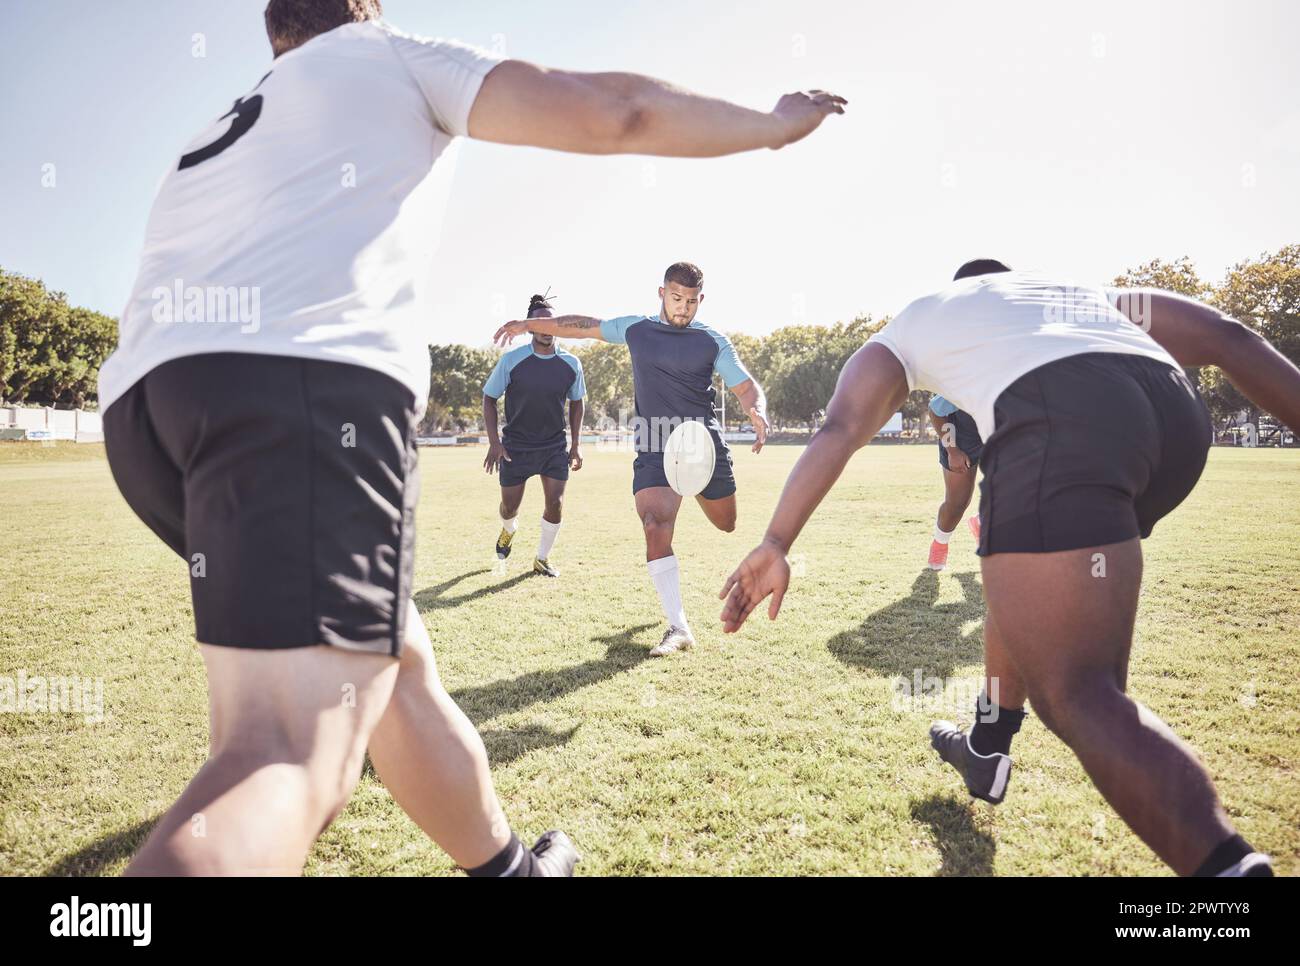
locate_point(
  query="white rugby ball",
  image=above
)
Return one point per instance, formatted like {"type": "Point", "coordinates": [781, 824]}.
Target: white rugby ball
{"type": "Point", "coordinates": [688, 458]}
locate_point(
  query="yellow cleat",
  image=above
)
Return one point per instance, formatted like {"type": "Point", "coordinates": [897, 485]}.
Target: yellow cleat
{"type": "Point", "coordinates": [540, 566]}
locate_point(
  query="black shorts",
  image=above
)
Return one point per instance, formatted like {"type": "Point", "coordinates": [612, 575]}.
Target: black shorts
{"type": "Point", "coordinates": [288, 486]}
{"type": "Point", "coordinates": [648, 470]}
{"type": "Point", "coordinates": [1089, 450]}
{"type": "Point", "coordinates": [967, 438]}
{"type": "Point", "coordinates": [553, 462]}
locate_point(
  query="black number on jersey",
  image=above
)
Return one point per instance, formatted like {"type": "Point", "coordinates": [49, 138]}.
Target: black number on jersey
{"type": "Point", "coordinates": [246, 111]}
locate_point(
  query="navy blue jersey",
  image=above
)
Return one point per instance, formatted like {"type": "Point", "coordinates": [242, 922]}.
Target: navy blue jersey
{"type": "Point", "coordinates": [672, 369]}
{"type": "Point", "coordinates": [535, 387]}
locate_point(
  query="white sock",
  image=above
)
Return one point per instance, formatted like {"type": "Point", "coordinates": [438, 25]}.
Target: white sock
{"type": "Point", "coordinates": [549, 532]}
{"type": "Point", "coordinates": [940, 536]}
{"type": "Point", "coordinates": [510, 525]}
{"type": "Point", "coordinates": [665, 575]}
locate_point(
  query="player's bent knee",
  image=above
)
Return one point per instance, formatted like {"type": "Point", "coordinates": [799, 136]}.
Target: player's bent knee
{"type": "Point", "coordinates": [1066, 703]}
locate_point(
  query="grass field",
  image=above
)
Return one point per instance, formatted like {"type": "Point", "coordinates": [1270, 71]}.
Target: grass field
{"type": "Point", "coordinates": [779, 750]}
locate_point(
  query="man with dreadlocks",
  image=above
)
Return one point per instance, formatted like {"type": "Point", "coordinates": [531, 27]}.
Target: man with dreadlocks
{"type": "Point", "coordinates": [540, 376]}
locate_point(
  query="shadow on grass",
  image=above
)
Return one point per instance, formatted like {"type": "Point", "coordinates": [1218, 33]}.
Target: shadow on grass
{"type": "Point", "coordinates": [94, 858]}
{"type": "Point", "coordinates": [916, 633]}
{"type": "Point", "coordinates": [432, 598]}
{"type": "Point", "coordinates": [963, 848]}
{"type": "Point", "coordinates": [480, 703]}
{"type": "Point", "coordinates": [508, 695]}
{"type": "Point", "coordinates": [488, 701]}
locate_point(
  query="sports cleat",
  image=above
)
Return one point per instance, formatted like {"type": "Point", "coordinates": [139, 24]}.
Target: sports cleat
{"type": "Point", "coordinates": [503, 544]}
{"type": "Point", "coordinates": [540, 566]}
{"type": "Point", "coordinates": [974, 524]}
{"type": "Point", "coordinates": [1253, 866]}
{"type": "Point", "coordinates": [675, 639]}
{"type": "Point", "coordinates": [555, 854]}
{"type": "Point", "coordinates": [938, 555]}
{"type": "Point", "coordinates": [985, 775]}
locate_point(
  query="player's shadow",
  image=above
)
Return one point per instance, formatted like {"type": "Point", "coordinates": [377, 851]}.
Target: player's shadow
{"type": "Point", "coordinates": [963, 848]}
{"type": "Point", "coordinates": [484, 702]}
{"type": "Point", "coordinates": [94, 858]}
{"type": "Point", "coordinates": [435, 597]}
{"type": "Point", "coordinates": [916, 632]}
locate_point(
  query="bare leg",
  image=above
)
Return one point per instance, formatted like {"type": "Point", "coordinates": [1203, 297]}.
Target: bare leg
{"type": "Point", "coordinates": [432, 760]}
{"type": "Point", "coordinates": [721, 512]}
{"type": "Point", "coordinates": [1067, 624]}
{"type": "Point", "coordinates": [511, 497]}
{"type": "Point", "coordinates": [1002, 681]}
{"type": "Point", "coordinates": [553, 492]}
{"type": "Point", "coordinates": [957, 491]}
{"type": "Point", "coordinates": [288, 737]}
{"type": "Point", "coordinates": [657, 507]}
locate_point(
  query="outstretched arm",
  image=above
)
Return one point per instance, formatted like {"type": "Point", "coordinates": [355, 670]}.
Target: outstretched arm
{"type": "Point", "coordinates": [621, 113]}
{"type": "Point", "coordinates": [1196, 334]}
{"type": "Point", "coordinates": [871, 387]}
{"type": "Point", "coordinates": [562, 326]}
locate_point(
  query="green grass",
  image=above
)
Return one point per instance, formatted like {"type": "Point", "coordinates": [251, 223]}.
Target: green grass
{"type": "Point", "coordinates": [776, 751]}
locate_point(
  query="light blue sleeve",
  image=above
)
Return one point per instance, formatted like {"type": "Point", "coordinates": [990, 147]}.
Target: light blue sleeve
{"type": "Point", "coordinates": [579, 388]}
{"type": "Point", "coordinates": [615, 330]}
{"type": "Point", "coordinates": [941, 407]}
{"type": "Point", "coordinates": [728, 364]}
{"type": "Point", "coordinates": [499, 379]}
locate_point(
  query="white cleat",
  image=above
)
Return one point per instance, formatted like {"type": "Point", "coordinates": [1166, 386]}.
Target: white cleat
{"type": "Point", "coordinates": [675, 639]}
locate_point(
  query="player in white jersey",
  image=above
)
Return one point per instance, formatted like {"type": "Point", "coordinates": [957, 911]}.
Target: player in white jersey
{"type": "Point", "coordinates": [260, 414]}
{"type": "Point", "coordinates": [1092, 434]}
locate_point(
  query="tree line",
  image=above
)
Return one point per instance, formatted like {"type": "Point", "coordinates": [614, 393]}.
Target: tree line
{"type": "Point", "coordinates": [50, 351]}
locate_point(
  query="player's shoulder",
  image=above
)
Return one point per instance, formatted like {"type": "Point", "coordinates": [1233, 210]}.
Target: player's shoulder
{"type": "Point", "coordinates": [512, 357]}
{"type": "Point", "coordinates": [710, 331]}
{"type": "Point", "coordinates": [568, 357]}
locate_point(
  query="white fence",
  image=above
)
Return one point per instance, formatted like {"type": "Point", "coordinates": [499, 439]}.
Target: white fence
{"type": "Point", "coordinates": [44, 422]}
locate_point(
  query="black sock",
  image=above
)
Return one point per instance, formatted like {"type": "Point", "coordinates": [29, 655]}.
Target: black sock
{"type": "Point", "coordinates": [512, 862]}
{"type": "Point", "coordinates": [994, 727]}
{"type": "Point", "coordinates": [1226, 854]}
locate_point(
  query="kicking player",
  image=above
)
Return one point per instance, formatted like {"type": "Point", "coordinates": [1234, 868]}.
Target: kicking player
{"type": "Point", "coordinates": [674, 358]}
{"type": "Point", "coordinates": [540, 377]}
{"type": "Point", "coordinates": [1093, 434]}
{"type": "Point", "coordinates": [960, 447]}
{"type": "Point", "coordinates": [273, 446]}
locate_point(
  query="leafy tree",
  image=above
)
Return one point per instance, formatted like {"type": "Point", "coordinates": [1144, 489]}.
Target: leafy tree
{"type": "Point", "coordinates": [1264, 294]}
{"type": "Point", "coordinates": [457, 375]}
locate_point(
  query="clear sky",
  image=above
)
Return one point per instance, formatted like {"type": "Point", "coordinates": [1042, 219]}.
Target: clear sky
{"type": "Point", "coordinates": [1082, 140]}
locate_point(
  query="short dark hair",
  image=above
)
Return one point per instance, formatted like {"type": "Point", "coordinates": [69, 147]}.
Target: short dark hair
{"type": "Point", "coordinates": [291, 23]}
{"type": "Point", "coordinates": [980, 266]}
{"type": "Point", "coordinates": [684, 273]}
{"type": "Point", "coordinates": [539, 302]}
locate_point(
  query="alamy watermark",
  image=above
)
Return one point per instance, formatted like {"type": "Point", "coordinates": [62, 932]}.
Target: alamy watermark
{"type": "Point", "coordinates": [26, 693]}
{"type": "Point", "coordinates": [1068, 305]}
{"type": "Point", "coordinates": [649, 434]}
{"type": "Point", "coordinates": [208, 304]}
{"type": "Point", "coordinates": [934, 694]}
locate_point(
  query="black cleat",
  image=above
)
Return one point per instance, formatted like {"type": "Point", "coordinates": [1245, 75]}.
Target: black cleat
{"type": "Point", "coordinates": [555, 855]}
{"type": "Point", "coordinates": [1256, 865]}
{"type": "Point", "coordinates": [985, 775]}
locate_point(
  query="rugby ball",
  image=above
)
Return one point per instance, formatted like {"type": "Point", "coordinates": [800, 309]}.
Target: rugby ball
{"type": "Point", "coordinates": [688, 458]}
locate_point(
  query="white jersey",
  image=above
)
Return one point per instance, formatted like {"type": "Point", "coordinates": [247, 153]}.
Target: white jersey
{"type": "Point", "coordinates": [972, 339]}
{"type": "Point", "coordinates": [303, 222]}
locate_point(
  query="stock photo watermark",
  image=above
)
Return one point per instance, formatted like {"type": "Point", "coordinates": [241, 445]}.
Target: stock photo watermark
{"type": "Point", "coordinates": [208, 305]}
{"type": "Point", "coordinates": [27, 693]}
{"type": "Point", "coordinates": [935, 694]}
